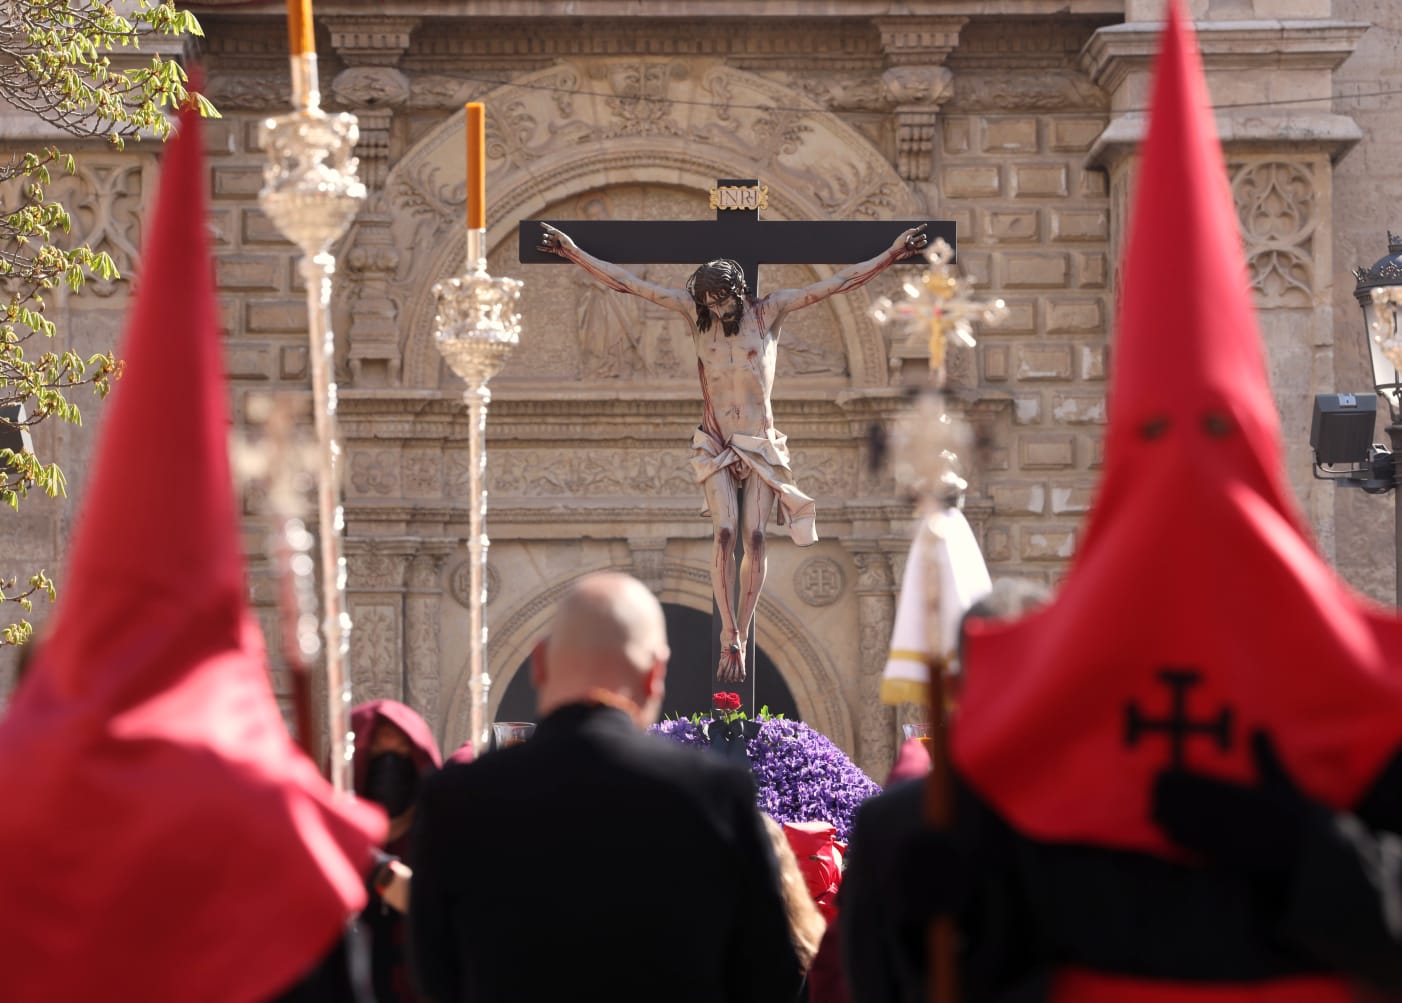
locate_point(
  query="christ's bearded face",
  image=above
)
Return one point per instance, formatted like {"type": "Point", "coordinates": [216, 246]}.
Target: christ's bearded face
{"type": "Point", "coordinates": [724, 307]}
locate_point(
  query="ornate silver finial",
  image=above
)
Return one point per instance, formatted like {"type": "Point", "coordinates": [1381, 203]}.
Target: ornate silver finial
{"type": "Point", "coordinates": [311, 192]}
{"type": "Point", "coordinates": [476, 329]}
{"type": "Point", "coordinates": [938, 305]}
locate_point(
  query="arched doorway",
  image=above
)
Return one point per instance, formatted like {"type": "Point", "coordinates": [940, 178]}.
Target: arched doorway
{"type": "Point", "coordinates": [688, 674]}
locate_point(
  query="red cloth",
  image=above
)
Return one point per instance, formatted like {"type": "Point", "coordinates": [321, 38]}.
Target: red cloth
{"type": "Point", "coordinates": [820, 857]}
{"type": "Point", "coordinates": [164, 838]}
{"type": "Point", "coordinates": [1080, 986]}
{"type": "Point", "coordinates": [1193, 557]}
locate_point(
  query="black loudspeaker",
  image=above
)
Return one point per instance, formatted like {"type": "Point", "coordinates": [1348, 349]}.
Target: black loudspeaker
{"type": "Point", "coordinates": [1341, 430]}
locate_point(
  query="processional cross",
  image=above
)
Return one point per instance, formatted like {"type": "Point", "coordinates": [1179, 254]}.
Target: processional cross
{"type": "Point", "coordinates": [740, 460]}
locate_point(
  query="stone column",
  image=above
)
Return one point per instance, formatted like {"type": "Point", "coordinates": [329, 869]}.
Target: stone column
{"type": "Point", "coordinates": [422, 595]}
{"type": "Point", "coordinates": [876, 613]}
{"type": "Point", "coordinates": [1272, 81]}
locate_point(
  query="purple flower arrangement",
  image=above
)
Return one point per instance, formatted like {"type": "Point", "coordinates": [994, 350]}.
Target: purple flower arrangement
{"type": "Point", "coordinates": [800, 775]}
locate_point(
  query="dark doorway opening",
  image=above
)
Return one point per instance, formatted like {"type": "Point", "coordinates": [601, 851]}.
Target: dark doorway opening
{"type": "Point", "coordinates": [688, 674]}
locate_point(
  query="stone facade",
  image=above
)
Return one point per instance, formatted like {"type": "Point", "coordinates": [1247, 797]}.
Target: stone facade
{"type": "Point", "coordinates": [1016, 120]}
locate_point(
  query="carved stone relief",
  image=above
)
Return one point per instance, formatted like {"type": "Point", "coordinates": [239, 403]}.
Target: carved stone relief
{"type": "Point", "coordinates": [875, 618]}
{"type": "Point", "coordinates": [1277, 210]}
{"type": "Point", "coordinates": [819, 581]}
{"type": "Point", "coordinates": [421, 618]}
{"type": "Point", "coordinates": [104, 201]}
{"type": "Point", "coordinates": [377, 669]}
{"type": "Point", "coordinates": [586, 472]}
{"type": "Point", "coordinates": [555, 135]}
{"type": "Point", "coordinates": [460, 584]}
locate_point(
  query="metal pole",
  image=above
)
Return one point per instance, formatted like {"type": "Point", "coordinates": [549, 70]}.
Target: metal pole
{"type": "Point", "coordinates": [311, 192]}
{"type": "Point", "coordinates": [1394, 435]}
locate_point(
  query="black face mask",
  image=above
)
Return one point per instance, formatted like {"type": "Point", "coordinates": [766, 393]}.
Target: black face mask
{"type": "Point", "coordinates": [392, 781]}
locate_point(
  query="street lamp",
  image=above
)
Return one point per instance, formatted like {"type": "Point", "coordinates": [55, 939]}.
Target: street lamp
{"type": "Point", "coordinates": [1379, 293]}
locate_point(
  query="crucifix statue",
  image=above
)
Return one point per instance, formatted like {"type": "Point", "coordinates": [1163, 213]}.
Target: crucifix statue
{"type": "Point", "coordinates": [739, 458]}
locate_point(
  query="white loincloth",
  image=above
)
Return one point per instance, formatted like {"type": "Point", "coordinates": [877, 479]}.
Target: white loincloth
{"type": "Point", "coordinates": [768, 457]}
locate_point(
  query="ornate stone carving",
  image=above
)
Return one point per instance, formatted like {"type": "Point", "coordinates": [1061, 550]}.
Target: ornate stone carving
{"type": "Point", "coordinates": [370, 41]}
{"type": "Point", "coordinates": [1277, 208]}
{"type": "Point", "coordinates": [460, 584]}
{"type": "Point", "coordinates": [640, 105]}
{"type": "Point", "coordinates": [377, 668]}
{"type": "Point", "coordinates": [819, 581]}
{"type": "Point", "coordinates": [423, 472]}
{"type": "Point", "coordinates": [546, 145]}
{"type": "Point", "coordinates": [875, 618]}
{"type": "Point", "coordinates": [1043, 90]}
{"type": "Point", "coordinates": [421, 619]}
{"type": "Point", "coordinates": [370, 87]}
{"type": "Point", "coordinates": [104, 203]}
{"type": "Point", "coordinates": [368, 571]}
{"type": "Point", "coordinates": [375, 472]}
{"type": "Point", "coordinates": [252, 91]}
{"type": "Point", "coordinates": [542, 473]}
{"type": "Point", "coordinates": [373, 338]}
{"type": "Point", "coordinates": [917, 84]}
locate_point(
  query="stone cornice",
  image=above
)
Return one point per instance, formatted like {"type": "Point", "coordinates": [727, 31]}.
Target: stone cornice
{"type": "Point", "coordinates": [1284, 131]}
{"type": "Point", "coordinates": [1115, 51]}
{"type": "Point", "coordinates": [721, 13]}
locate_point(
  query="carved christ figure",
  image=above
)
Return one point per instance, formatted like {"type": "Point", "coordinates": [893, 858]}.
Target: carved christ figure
{"type": "Point", "coordinates": [739, 458]}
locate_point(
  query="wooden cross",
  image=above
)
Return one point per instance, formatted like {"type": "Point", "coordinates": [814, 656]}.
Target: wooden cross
{"type": "Point", "coordinates": [735, 233]}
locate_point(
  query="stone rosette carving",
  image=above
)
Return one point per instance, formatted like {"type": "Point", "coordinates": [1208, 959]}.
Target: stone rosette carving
{"type": "Point", "coordinates": [819, 581]}
{"type": "Point", "coordinates": [460, 584]}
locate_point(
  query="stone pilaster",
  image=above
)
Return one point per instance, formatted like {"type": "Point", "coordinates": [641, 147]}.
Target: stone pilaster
{"type": "Point", "coordinates": [422, 615]}
{"type": "Point", "coordinates": [1269, 80]}
{"type": "Point", "coordinates": [876, 614]}
{"type": "Point", "coordinates": [373, 88]}
{"type": "Point", "coordinates": [375, 598]}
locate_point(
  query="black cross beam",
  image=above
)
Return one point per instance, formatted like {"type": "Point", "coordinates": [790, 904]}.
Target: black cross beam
{"type": "Point", "coordinates": [734, 233]}
{"type": "Point", "coordinates": [1178, 726]}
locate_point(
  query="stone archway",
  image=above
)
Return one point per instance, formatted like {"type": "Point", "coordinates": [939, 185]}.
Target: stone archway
{"type": "Point", "coordinates": [808, 670]}
{"type": "Point", "coordinates": [551, 137]}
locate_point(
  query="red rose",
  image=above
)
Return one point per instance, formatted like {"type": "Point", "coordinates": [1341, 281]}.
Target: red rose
{"type": "Point", "coordinates": [720, 701]}
{"type": "Point", "coordinates": [732, 701]}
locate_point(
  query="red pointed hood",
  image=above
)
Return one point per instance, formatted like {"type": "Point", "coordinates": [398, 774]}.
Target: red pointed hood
{"type": "Point", "coordinates": [1194, 579]}
{"type": "Point", "coordinates": [169, 829]}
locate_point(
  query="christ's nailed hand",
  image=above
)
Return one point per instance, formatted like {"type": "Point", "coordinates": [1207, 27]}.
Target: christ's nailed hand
{"type": "Point", "coordinates": [910, 242]}
{"type": "Point", "coordinates": [554, 241]}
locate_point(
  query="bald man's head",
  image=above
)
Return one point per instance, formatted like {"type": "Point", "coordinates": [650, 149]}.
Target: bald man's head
{"type": "Point", "coordinates": [608, 635]}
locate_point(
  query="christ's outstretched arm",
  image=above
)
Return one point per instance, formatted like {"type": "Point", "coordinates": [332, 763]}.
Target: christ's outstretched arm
{"type": "Point", "coordinates": [555, 241]}
{"type": "Point", "coordinates": [909, 243]}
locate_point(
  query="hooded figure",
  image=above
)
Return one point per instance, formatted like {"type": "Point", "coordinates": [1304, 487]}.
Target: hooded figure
{"type": "Point", "coordinates": [395, 752]}
{"type": "Point", "coordinates": [164, 837]}
{"type": "Point", "coordinates": [1182, 774]}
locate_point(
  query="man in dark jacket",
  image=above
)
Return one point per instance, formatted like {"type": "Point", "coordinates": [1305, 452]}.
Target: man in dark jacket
{"type": "Point", "coordinates": [595, 862]}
